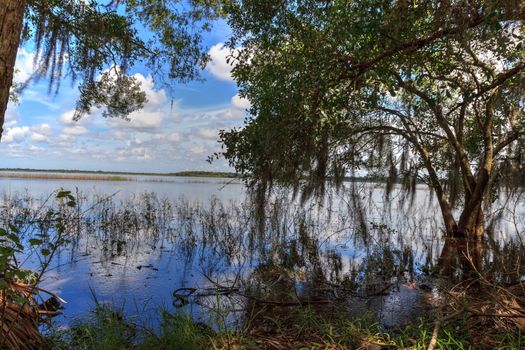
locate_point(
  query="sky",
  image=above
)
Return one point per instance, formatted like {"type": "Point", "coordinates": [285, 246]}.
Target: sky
{"type": "Point", "coordinates": [174, 131]}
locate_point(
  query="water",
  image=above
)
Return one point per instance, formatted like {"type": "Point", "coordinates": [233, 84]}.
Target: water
{"type": "Point", "coordinates": [192, 188]}
{"type": "Point", "coordinates": [133, 243]}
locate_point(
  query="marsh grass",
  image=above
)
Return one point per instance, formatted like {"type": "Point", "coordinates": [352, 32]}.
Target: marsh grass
{"type": "Point", "coordinates": [56, 176]}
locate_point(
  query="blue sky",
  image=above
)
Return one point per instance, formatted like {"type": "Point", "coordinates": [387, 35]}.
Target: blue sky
{"type": "Point", "coordinates": [174, 132]}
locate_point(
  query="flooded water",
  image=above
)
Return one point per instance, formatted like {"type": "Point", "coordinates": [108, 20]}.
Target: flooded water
{"type": "Point", "coordinates": [200, 245]}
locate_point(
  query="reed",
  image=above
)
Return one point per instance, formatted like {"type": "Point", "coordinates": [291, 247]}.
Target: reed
{"type": "Point", "coordinates": [64, 177]}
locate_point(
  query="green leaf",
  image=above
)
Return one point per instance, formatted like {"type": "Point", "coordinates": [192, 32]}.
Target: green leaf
{"type": "Point", "coordinates": [3, 284]}
{"type": "Point", "coordinates": [45, 252]}
{"type": "Point", "coordinates": [63, 194]}
{"type": "Point", "coordinates": [13, 238]}
{"type": "Point", "coordinates": [35, 242]}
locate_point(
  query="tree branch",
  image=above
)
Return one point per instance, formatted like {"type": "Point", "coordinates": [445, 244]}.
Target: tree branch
{"type": "Point", "coordinates": [498, 81]}
{"type": "Point", "coordinates": [442, 122]}
{"type": "Point", "coordinates": [507, 140]}
{"type": "Point", "coordinates": [409, 47]}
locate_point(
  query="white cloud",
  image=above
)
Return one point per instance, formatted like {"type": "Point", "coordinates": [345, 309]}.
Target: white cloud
{"type": "Point", "coordinates": [66, 118]}
{"type": "Point", "coordinates": [173, 137]}
{"type": "Point", "coordinates": [144, 120]}
{"type": "Point", "coordinates": [37, 137]}
{"type": "Point", "coordinates": [136, 153]}
{"type": "Point", "coordinates": [239, 106]}
{"type": "Point", "coordinates": [44, 129]}
{"type": "Point", "coordinates": [218, 65]}
{"type": "Point", "coordinates": [16, 134]}
{"type": "Point", "coordinates": [11, 115]}
{"type": "Point", "coordinates": [40, 133]}
{"type": "Point", "coordinates": [155, 97]}
{"type": "Point", "coordinates": [76, 130]}
{"type": "Point", "coordinates": [24, 66]}
{"type": "Point", "coordinates": [197, 150]}
{"type": "Point", "coordinates": [208, 133]}
{"type": "Point", "coordinates": [239, 102]}
{"type": "Point", "coordinates": [119, 135]}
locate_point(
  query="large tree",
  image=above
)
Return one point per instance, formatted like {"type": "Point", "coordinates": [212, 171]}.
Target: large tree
{"type": "Point", "coordinates": [95, 42]}
{"type": "Point", "coordinates": [412, 91]}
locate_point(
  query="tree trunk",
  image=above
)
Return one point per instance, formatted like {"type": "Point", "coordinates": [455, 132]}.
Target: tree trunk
{"type": "Point", "coordinates": [447, 264]}
{"type": "Point", "coordinates": [472, 223]}
{"type": "Point", "coordinates": [11, 20]}
{"type": "Point", "coordinates": [461, 254]}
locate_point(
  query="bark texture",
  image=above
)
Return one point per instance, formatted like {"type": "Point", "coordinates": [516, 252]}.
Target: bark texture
{"type": "Point", "coordinates": [11, 20]}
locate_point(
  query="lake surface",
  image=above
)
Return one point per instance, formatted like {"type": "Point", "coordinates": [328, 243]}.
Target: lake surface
{"type": "Point", "coordinates": [135, 243]}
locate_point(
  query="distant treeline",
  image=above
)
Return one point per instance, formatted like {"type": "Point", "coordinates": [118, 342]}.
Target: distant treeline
{"type": "Point", "coordinates": [100, 172]}
{"type": "Point", "coordinates": [203, 174]}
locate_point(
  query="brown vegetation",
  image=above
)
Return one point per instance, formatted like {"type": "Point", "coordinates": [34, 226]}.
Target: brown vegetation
{"type": "Point", "coordinates": [21, 315]}
{"type": "Point", "coordinates": [488, 309]}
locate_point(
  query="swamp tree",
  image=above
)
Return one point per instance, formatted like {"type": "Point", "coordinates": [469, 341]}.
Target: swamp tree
{"type": "Point", "coordinates": [95, 42]}
{"type": "Point", "coordinates": [410, 91]}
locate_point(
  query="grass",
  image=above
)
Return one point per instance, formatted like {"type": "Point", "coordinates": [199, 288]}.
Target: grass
{"type": "Point", "coordinates": [108, 330]}
{"type": "Point", "coordinates": [301, 328]}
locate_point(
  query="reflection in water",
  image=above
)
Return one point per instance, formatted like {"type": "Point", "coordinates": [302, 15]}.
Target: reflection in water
{"type": "Point", "coordinates": [354, 253]}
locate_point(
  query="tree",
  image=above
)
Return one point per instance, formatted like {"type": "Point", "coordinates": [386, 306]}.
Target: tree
{"type": "Point", "coordinates": [96, 43]}
{"type": "Point", "coordinates": [411, 91]}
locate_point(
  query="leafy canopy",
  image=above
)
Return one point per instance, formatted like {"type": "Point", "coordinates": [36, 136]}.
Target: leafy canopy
{"type": "Point", "coordinates": [411, 91]}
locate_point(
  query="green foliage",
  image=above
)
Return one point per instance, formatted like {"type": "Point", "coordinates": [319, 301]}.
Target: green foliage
{"type": "Point", "coordinates": [10, 245]}
{"type": "Point", "coordinates": [178, 331]}
{"type": "Point", "coordinates": [20, 296]}
{"type": "Point", "coordinates": [14, 243]}
{"type": "Point", "coordinates": [106, 331]}
{"type": "Point", "coordinates": [109, 330]}
{"type": "Point", "coordinates": [13, 96]}
{"type": "Point", "coordinates": [96, 42]}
